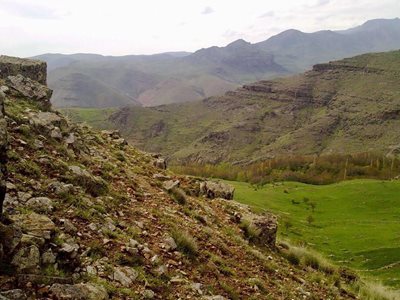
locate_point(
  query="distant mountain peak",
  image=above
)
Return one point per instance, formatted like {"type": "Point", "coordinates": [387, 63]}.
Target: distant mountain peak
{"type": "Point", "coordinates": [238, 43]}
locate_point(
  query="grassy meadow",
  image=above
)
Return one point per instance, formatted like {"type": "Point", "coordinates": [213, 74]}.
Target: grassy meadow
{"type": "Point", "coordinates": [353, 223]}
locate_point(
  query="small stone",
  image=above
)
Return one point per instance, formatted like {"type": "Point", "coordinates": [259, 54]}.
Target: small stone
{"type": "Point", "coordinates": [48, 257]}
{"type": "Point", "coordinates": [170, 244]}
{"type": "Point", "coordinates": [16, 294]}
{"type": "Point", "coordinates": [92, 226]}
{"type": "Point", "coordinates": [81, 291]}
{"type": "Point", "coordinates": [70, 139]}
{"type": "Point", "coordinates": [40, 204]}
{"type": "Point", "coordinates": [69, 227]}
{"type": "Point", "coordinates": [170, 184]}
{"type": "Point", "coordinates": [124, 275]}
{"type": "Point", "coordinates": [148, 294]}
{"type": "Point", "coordinates": [56, 133]}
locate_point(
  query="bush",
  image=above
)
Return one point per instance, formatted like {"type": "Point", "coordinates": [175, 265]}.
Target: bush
{"type": "Point", "coordinates": [185, 242]}
{"type": "Point", "coordinates": [250, 231]}
{"type": "Point", "coordinates": [375, 291]}
{"type": "Point", "coordinates": [178, 195]}
{"type": "Point", "coordinates": [306, 257]}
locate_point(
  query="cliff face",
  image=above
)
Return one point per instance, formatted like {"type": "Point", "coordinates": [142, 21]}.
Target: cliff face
{"type": "Point", "coordinates": [33, 69]}
{"type": "Point", "coordinates": [3, 152]}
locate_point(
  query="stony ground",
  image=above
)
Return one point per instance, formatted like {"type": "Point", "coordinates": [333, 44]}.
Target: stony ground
{"type": "Point", "coordinates": [87, 216]}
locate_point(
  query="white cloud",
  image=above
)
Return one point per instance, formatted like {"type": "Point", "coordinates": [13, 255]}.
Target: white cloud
{"type": "Point", "coordinates": [119, 27]}
{"type": "Point", "coordinates": [207, 10]}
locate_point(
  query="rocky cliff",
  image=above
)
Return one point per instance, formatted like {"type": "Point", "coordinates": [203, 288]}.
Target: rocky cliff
{"type": "Point", "coordinates": [86, 216]}
{"type": "Point", "coordinates": [3, 152]}
{"type": "Point", "coordinates": [33, 69]}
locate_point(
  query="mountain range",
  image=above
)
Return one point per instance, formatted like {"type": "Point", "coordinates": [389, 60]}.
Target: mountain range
{"type": "Point", "coordinates": [346, 106]}
{"type": "Point", "coordinates": [91, 80]}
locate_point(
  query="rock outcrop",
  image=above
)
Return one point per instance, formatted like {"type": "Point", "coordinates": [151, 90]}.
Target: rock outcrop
{"type": "Point", "coordinates": [3, 152]}
{"type": "Point", "coordinates": [21, 86]}
{"type": "Point", "coordinates": [33, 69]}
{"type": "Point", "coordinates": [212, 189]}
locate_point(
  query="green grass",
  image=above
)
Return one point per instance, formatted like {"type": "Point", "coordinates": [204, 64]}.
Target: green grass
{"type": "Point", "coordinates": [95, 117]}
{"type": "Point", "coordinates": [356, 223]}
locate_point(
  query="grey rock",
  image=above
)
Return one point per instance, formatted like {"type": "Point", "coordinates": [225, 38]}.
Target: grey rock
{"type": "Point", "coordinates": [213, 189]}
{"type": "Point", "coordinates": [94, 185]}
{"type": "Point", "coordinates": [124, 275]}
{"type": "Point", "coordinates": [68, 226]}
{"type": "Point", "coordinates": [170, 184]}
{"type": "Point", "coordinates": [23, 197]}
{"type": "Point", "coordinates": [35, 224]}
{"type": "Point", "coordinates": [160, 163]}
{"type": "Point", "coordinates": [55, 133]}
{"type": "Point", "coordinates": [38, 144]}
{"type": "Point", "coordinates": [40, 204]}
{"type": "Point", "coordinates": [148, 294]}
{"type": "Point", "coordinates": [60, 188]}
{"type": "Point", "coordinates": [70, 139]}
{"type": "Point", "coordinates": [161, 177]}
{"type": "Point", "coordinates": [48, 257]}
{"type": "Point", "coordinates": [170, 244]}
{"type": "Point", "coordinates": [81, 291]}
{"type": "Point", "coordinates": [21, 86]}
{"type": "Point", "coordinates": [70, 247]}
{"type": "Point", "coordinates": [46, 120]}
{"type": "Point", "coordinates": [27, 259]}
{"type": "Point", "coordinates": [267, 226]}
{"type": "Point", "coordinates": [16, 294]}
{"type": "Point", "coordinates": [28, 239]}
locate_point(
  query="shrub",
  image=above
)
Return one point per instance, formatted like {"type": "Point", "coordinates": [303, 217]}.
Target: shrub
{"type": "Point", "coordinates": [250, 231]}
{"type": "Point", "coordinates": [185, 242]}
{"type": "Point", "coordinates": [375, 291]}
{"type": "Point", "coordinates": [178, 195]}
{"type": "Point", "coordinates": [306, 257]}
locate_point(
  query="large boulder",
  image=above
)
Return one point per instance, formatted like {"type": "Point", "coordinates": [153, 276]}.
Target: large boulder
{"type": "Point", "coordinates": [29, 68]}
{"type": "Point", "coordinates": [3, 152]}
{"type": "Point", "coordinates": [217, 189]}
{"type": "Point", "coordinates": [266, 226]}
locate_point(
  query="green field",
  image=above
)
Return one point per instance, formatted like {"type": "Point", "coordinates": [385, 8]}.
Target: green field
{"type": "Point", "coordinates": [354, 223]}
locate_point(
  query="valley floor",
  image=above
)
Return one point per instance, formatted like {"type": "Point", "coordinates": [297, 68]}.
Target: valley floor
{"type": "Point", "coordinates": [354, 223]}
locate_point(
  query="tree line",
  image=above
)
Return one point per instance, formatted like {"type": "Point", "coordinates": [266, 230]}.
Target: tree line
{"type": "Point", "coordinates": [313, 169]}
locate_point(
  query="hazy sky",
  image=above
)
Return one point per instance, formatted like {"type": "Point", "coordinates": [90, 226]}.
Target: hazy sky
{"type": "Point", "coordinates": [119, 27]}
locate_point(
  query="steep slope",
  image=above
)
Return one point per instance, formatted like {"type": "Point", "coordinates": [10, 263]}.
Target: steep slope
{"type": "Point", "coordinates": [87, 216]}
{"type": "Point", "coordinates": [182, 77]}
{"type": "Point", "coordinates": [345, 106]}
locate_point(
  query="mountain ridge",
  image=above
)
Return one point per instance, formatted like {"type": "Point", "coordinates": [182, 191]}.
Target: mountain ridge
{"type": "Point", "coordinates": [240, 62]}
{"type": "Point", "coordinates": [341, 107]}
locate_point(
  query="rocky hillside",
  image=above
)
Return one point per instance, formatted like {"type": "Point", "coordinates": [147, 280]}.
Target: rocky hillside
{"type": "Point", "coordinates": [86, 216]}
{"type": "Point", "coordinates": [89, 80]}
{"type": "Point", "coordinates": [346, 106]}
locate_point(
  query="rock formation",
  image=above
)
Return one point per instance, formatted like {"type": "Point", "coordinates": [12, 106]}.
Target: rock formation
{"type": "Point", "coordinates": [3, 152]}
{"type": "Point", "coordinates": [33, 69]}
{"type": "Point", "coordinates": [212, 189]}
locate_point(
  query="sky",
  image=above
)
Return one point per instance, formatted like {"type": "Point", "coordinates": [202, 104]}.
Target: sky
{"type": "Point", "coordinates": [122, 27]}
